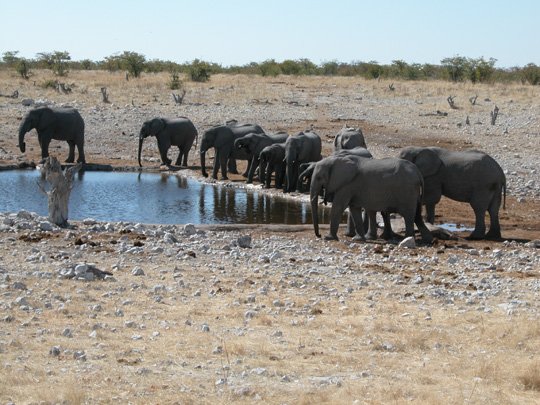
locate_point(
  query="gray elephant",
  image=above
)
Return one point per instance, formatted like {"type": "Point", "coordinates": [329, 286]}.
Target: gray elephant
{"type": "Point", "coordinates": [254, 143]}
{"type": "Point", "coordinates": [349, 138]}
{"type": "Point", "coordinates": [306, 169]}
{"type": "Point", "coordinates": [467, 176]}
{"type": "Point", "coordinates": [386, 185]}
{"type": "Point", "coordinates": [178, 132]}
{"type": "Point", "coordinates": [61, 123]}
{"type": "Point", "coordinates": [306, 172]}
{"type": "Point", "coordinates": [222, 138]}
{"type": "Point", "coordinates": [271, 159]}
{"type": "Point", "coordinates": [302, 148]}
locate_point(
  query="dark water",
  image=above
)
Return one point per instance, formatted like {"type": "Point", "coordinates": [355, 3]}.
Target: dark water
{"type": "Point", "coordinates": [151, 198]}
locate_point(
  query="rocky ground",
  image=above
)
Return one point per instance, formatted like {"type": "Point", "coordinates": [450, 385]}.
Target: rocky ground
{"type": "Point", "coordinates": [142, 313]}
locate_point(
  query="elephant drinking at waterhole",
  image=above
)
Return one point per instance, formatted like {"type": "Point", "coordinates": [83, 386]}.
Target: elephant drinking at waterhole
{"type": "Point", "coordinates": [178, 132]}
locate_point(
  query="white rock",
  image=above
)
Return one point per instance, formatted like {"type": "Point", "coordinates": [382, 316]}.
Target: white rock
{"type": "Point", "coordinates": [137, 271]}
{"type": "Point", "coordinates": [408, 243]}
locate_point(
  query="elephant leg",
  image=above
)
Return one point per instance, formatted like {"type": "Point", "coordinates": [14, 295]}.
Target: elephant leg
{"type": "Point", "coordinates": [248, 168]}
{"type": "Point", "coordinates": [217, 159]}
{"type": "Point", "coordinates": [371, 233]}
{"type": "Point", "coordinates": [480, 224]}
{"type": "Point", "coordinates": [351, 226]}
{"type": "Point", "coordinates": [409, 224]}
{"type": "Point", "coordinates": [178, 161]}
{"type": "Point", "coordinates": [252, 167]}
{"type": "Point", "coordinates": [430, 213]}
{"type": "Point", "coordinates": [163, 153]}
{"type": "Point", "coordinates": [427, 237]}
{"type": "Point", "coordinates": [44, 143]}
{"type": "Point", "coordinates": [80, 149]}
{"type": "Point", "coordinates": [338, 206]}
{"type": "Point", "coordinates": [355, 216]}
{"type": "Point", "coordinates": [232, 166]}
{"type": "Point", "coordinates": [223, 162]}
{"type": "Point", "coordinates": [185, 158]}
{"type": "Point", "coordinates": [280, 175]}
{"type": "Point", "coordinates": [494, 225]}
{"type": "Point", "coordinates": [388, 233]}
{"type": "Point", "coordinates": [71, 154]}
{"type": "Point", "coordinates": [268, 174]}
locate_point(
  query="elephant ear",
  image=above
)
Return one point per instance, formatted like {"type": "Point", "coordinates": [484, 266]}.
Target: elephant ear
{"type": "Point", "coordinates": [43, 117]}
{"type": "Point", "coordinates": [157, 125]}
{"type": "Point", "coordinates": [224, 136]}
{"type": "Point", "coordinates": [427, 162]}
{"type": "Point", "coordinates": [342, 171]}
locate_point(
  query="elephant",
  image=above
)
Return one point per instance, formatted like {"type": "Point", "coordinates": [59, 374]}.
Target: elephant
{"type": "Point", "coordinates": [178, 132]}
{"type": "Point", "coordinates": [306, 172]}
{"type": "Point", "coordinates": [271, 160]}
{"type": "Point", "coordinates": [306, 169]}
{"type": "Point", "coordinates": [349, 138]}
{"type": "Point", "coordinates": [467, 176]}
{"type": "Point", "coordinates": [254, 143]}
{"type": "Point", "coordinates": [302, 148]}
{"type": "Point", "coordinates": [61, 123]}
{"type": "Point", "coordinates": [387, 185]}
{"type": "Point", "coordinates": [221, 138]}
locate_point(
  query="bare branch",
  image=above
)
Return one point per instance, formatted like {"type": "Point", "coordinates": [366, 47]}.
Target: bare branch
{"type": "Point", "coordinates": [494, 114]}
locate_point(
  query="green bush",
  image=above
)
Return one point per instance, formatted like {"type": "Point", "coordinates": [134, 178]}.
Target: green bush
{"type": "Point", "coordinates": [531, 74]}
{"type": "Point", "coordinates": [23, 68]}
{"type": "Point", "coordinates": [199, 71]}
{"type": "Point", "coordinates": [175, 83]}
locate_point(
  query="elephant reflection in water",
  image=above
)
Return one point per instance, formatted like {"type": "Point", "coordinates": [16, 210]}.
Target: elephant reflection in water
{"type": "Point", "coordinates": [164, 178]}
{"type": "Point", "coordinates": [218, 201]}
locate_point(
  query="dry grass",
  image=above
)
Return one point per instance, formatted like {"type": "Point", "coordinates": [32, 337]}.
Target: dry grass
{"type": "Point", "coordinates": [377, 347]}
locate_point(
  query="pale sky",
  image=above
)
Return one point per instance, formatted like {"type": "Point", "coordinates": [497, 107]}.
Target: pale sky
{"type": "Point", "coordinates": [237, 32]}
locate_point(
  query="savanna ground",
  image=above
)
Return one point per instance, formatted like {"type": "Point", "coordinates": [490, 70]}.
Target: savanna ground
{"type": "Point", "coordinates": [358, 336]}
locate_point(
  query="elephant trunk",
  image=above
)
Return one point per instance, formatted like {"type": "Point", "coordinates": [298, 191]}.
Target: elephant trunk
{"type": "Point", "coordinates": [22, 132]}
{"type": "Point", "coordinates": [314, 198]}
{"type": "Point", "coordinates": [141, 140]}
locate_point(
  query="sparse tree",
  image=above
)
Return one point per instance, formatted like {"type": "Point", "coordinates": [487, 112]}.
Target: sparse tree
{"type": "Point", "coordinates": [57, 61]}
{"type": "Point", "coordinates": [133, 62]}
{"type": "Point", "coordinates": [199, 71]}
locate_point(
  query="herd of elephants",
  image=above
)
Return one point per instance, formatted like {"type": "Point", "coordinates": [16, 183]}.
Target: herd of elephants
{"type": "Point", "coordinates": [349, 178]}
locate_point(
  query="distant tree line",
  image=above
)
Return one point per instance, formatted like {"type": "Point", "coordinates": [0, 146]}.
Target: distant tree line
{"type": "Point", "coordinates": [455, 69]}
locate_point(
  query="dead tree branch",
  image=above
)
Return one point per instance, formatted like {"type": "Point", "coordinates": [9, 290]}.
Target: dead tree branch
{"type": "Point", "coordinates": [451, 102]}
{"type": "Point", "coordinates": [473, 99]}
{"type": "Point", "coordinates": [61, 185]}
{"type": "Point", "coordinates": [179, 99]}
{"type": "Point", "coordinates": [494, 114]}
{"type": "Point", "coordinates": [391, 87]}
{"type": "Point", "coordinates": [105, 95]}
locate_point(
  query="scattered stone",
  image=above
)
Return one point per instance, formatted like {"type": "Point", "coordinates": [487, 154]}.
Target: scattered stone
{"type": "Point", "coordinates": [244, 241]}
{"type": "Point", "coordinates": [137, 271]}
{"type": "Point", "coordinates": [55, 351]}
{"type": "Point", "coordinates": [67, 333]}
{"type": "Point", "coordinates": [408, 243]}
{"type": "Point", "coordinates": [205, 327]}
{"type": "Point", "coordinates": [189, 229]}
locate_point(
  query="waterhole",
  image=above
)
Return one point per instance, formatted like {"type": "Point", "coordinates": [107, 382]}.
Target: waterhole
{"type": "Point", "coordinates": [152, 198]}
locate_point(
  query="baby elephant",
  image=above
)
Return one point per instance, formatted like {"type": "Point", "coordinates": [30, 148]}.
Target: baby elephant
{"type": "Point", "coordinates": [271, 160]}
{"type": "Point", "coordinates": [178, 132]}
{"type": "Point", "coordinates": [387, 185]}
